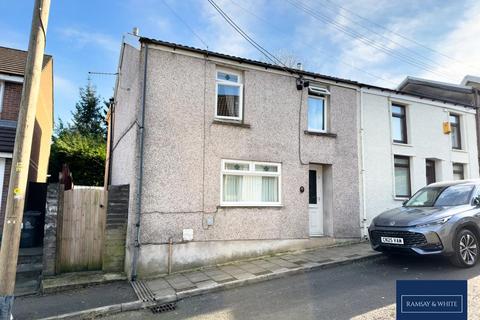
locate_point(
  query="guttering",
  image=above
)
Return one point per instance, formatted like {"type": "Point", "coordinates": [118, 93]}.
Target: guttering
{"type": "Point", "coordinates": [136, 245]}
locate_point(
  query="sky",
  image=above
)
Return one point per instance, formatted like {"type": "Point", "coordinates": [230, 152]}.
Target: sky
{"type": "Point", "coordinates": [371, 41]}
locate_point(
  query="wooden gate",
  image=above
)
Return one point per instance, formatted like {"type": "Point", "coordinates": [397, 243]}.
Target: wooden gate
{"type": "Point", "coordinates": [81, 229]}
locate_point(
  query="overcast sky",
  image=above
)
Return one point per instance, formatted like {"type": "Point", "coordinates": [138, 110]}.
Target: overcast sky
{"type": "Point", "coordinates": [373, 41]}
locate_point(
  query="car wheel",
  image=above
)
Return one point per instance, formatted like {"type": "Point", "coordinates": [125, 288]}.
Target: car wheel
{"type": "Point", "coordinates": [466, 249]}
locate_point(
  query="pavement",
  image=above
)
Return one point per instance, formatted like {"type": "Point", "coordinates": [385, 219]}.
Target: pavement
{"type": "Point", "coordinates": [364, 290]}
{"type": "Point", "coordinates": [185, 284]}
{"type": "Point", "coordinates": [119, 296]}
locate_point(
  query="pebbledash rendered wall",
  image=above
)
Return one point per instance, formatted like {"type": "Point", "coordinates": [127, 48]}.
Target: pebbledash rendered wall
{"type": "Point", "coordinates": [184, 147]}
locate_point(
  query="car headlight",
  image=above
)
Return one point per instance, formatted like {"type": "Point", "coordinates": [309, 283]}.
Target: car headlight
{"type": "Point", "coordinates": [434, 223]}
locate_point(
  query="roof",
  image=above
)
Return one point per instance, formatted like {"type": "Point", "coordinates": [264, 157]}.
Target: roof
{"type": "Point", "coordinates": [7, 135]}
{"type": "Point", "coordinates": [437, 84]}
{"type": "Point", "coordinates": [292, 70]}
{"type": "Point", "coordinates": [448, 92]}
{"type": "Point", "coordinates": [469, 79]}
{"type": "Point", "coordinates": [245, 60]}
{"type": "Point", "coordinates": [13, 61]}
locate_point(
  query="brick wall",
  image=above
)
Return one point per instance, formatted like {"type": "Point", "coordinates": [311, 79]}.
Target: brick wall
{"type": "Point", "coordinates": [11, 101]}
{"type": "Point", "coordinates": [6, 179]}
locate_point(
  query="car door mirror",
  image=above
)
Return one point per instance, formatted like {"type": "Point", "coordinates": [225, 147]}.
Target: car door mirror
{"type": "Point", "coordinates": [476, 201]}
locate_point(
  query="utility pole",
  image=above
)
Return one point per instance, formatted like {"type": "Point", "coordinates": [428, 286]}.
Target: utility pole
{"type": "Point", "coordinates": [21, 157]}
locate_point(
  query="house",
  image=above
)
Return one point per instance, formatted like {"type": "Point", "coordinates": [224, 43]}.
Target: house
{"type": "Point", "coordinates": [413, 137]}
{"type": "Point", "coordinates": [12, 69]}
{"type": "Point", "coordinates": [464, 94]}
{"type": "Point", "coordinates": [231, 158]}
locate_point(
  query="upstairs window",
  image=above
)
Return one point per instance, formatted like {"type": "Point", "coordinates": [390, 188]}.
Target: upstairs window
{"type": "Point", "coordinates": [246, 183]}
{"type": "Point", "coordinates": [456, 136]}
{"type": "Point", "coordinates": [229, 97]}
{"type": "Point", "coordinates": [399, 123]}
{"type": "Point", "coordinates": [317, 109]}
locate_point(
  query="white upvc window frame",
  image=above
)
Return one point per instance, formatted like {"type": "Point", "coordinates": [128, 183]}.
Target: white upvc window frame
{"type": "Point", "coordinates": [238, 84]}
{"type": "Point", "coordinates": [251, 172]}
{"type": "Point", "coordinates": [319, 93]}
{"type": "Point", "coordinates": [2, 92]}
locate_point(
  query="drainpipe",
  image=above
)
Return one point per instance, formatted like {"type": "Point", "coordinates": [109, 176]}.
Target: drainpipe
{"type": "Point", "coordinates": [362, 167]}
{"type": "Point", "coordinates": [136, 247]}
{"type": "Point", "coordinates": [476, 99]}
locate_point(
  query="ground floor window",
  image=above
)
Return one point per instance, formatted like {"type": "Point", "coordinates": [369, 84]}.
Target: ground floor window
{"type": "Point", "coordinates": [249, 183]}
{"type": "Point", "coordinates": [458, 171]}
{"type": "Point", "coordinates": [402, 176]}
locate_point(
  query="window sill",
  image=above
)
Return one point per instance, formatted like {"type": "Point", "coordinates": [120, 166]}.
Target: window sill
{"type": "Point", "coordinates": [256, 206]}
{"type": "Point", "coordinates": [322, 134]}
{"type": "Point", "coordinates": [231, 123]}
{"type": "Point", "coordinates": [400, 144]}
{"type": "Point", "coordinates": [400, 198]}
{"type": "Point", "coordinates": [459, 150]}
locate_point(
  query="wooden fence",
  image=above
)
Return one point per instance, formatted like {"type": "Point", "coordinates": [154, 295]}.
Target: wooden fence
{"type": "Point", "coordinates": [81, 229]}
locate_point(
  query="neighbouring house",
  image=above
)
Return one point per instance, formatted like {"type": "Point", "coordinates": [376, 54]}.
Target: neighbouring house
{"type": "Point", "coordinates": [12, 69]}
{"type": "Point", "coordinates": [411, 138]}
{"type": "Point", "coordinates": [228, 158]}
{"type": "Point", "coordinates": [465, 94]}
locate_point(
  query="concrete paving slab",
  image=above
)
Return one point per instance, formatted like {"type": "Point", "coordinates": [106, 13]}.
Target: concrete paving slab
{"type": "Point", "coordinates": [245, 276]}
{"type": "Point", "coordinates": [158, 284]}
{"type": "Point", "coordinates": [164, 292]}
{"type": "Point", "coordinates": [197, 276]}
{"type": "Point", "coordinates": [206, 284]}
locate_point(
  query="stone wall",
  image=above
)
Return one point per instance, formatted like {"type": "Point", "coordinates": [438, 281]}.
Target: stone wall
{"type": "Point", "coordinates": [116, 228]}
{"type": "Point", "coordinates": [52, 212]}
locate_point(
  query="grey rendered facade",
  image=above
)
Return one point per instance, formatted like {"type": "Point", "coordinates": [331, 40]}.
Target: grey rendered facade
{"type": "Point", "coordinates": [184, 145]}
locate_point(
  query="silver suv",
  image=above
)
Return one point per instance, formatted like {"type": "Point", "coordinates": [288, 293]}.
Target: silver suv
{"type": "Point", "coordinates": [441, 218]}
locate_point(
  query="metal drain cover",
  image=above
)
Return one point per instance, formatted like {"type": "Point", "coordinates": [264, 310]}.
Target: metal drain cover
{"type": "Point", "coordinates": [171, 306]}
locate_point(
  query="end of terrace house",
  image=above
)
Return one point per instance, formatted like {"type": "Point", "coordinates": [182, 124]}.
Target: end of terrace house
{"type": "Point", "coordinates": [229, 158]}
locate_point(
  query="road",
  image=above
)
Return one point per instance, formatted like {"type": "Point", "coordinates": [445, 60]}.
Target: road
{"type": "Point", "coordinates": [364, 290]}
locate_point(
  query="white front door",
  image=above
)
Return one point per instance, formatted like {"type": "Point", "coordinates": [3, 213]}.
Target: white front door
{"type": "Point", "coordinates": [315, 200]}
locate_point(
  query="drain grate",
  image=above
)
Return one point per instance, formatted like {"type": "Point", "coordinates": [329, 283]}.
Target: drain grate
{"type": "Point", "coordinates": [143, 291]}
{"type": "Point", "coordinates": [171, 306]}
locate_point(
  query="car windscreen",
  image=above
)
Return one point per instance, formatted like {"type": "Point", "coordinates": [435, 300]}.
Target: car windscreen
{"type": "Point", "coordinates": [454, 196]}
{"type": "Point", "coordinates": [441, 196]}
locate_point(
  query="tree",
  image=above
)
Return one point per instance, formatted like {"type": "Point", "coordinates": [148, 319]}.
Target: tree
{"type": "Point", "coordinates": [84, 155]}
{"type": "Point", "coordinates": [286, 57]}
{"type": "Point", "coordinates": [82, 144]}
{"type": "Point", "coordinates": [89, 115]}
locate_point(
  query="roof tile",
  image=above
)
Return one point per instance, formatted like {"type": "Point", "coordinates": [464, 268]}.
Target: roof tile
{"type": "Point", "coordinates": [12, 61]}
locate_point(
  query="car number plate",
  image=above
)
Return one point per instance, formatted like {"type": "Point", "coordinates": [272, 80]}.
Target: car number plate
{"type": "Point", "coordinates": [392, 240]}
